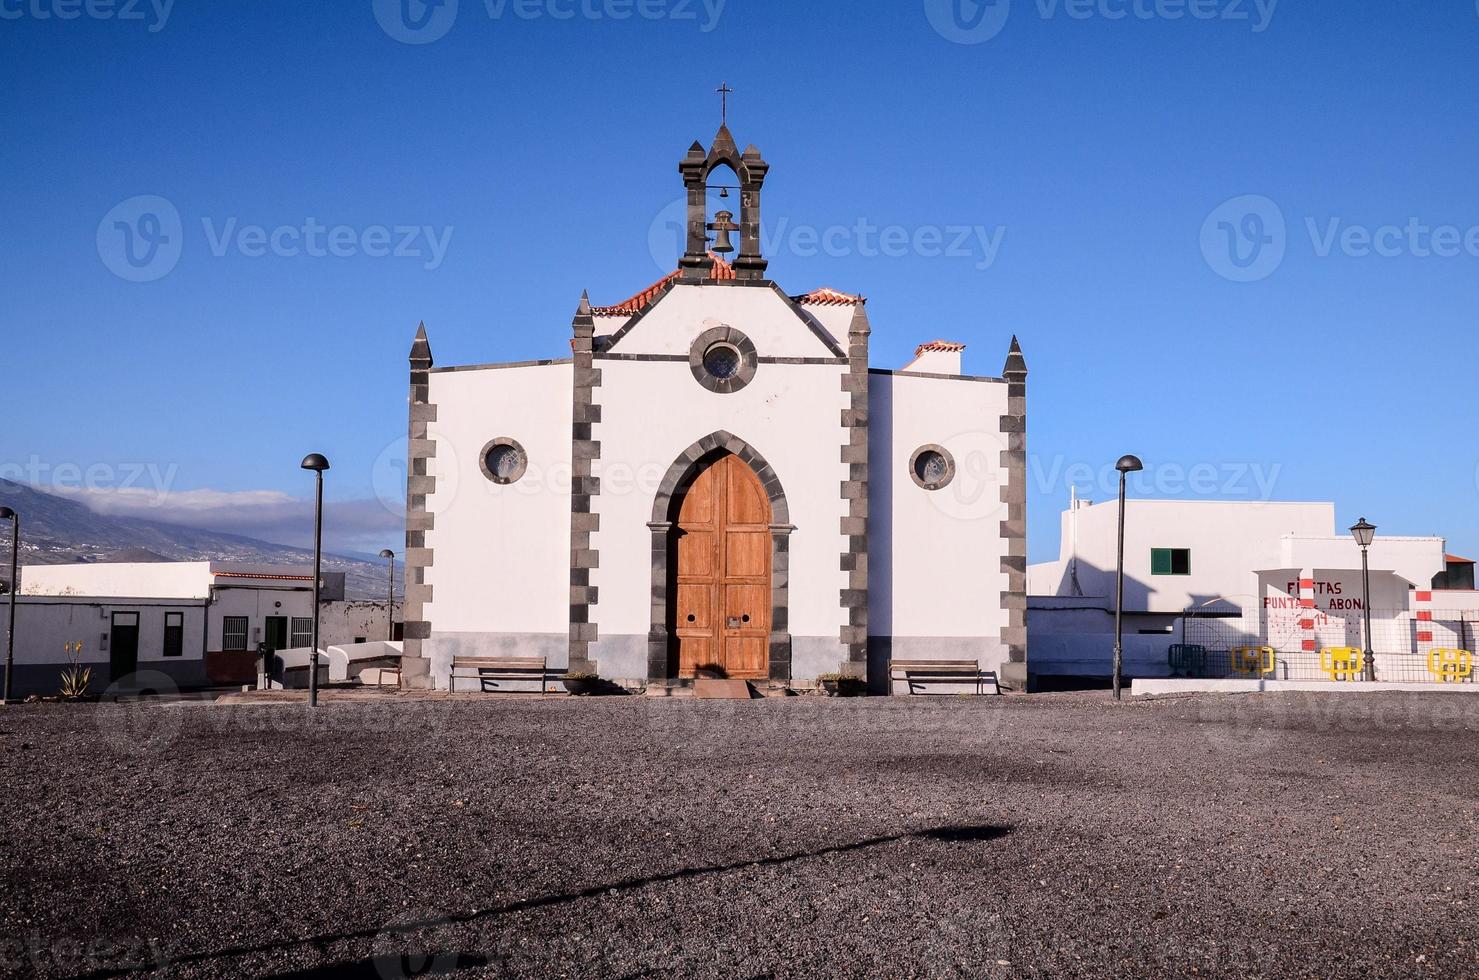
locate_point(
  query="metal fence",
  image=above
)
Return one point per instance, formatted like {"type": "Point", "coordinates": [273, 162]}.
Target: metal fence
{"type": "Point", "coordinates": [1410, 646]}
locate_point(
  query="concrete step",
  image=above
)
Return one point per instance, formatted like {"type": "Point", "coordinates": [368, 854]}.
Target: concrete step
{"type": "Point", "coordinates": [726, 689]}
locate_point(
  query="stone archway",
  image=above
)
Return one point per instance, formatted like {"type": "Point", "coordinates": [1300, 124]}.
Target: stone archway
{"type": "Point", "coordinates": [692, 461]}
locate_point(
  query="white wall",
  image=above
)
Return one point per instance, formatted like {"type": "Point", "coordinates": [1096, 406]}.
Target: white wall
{"type": "Point", "coordinates": [164, 580]}
{"type": "Point", "coordinates": [341, 622]}
{"type": "Point", "coordinates": [935, 556]}
{"type": "Point", "coordinates": [256, 605]}
{"type": "Point", "coordinates": [1455, 599]}
{"type": "Point", "coordinates": [45, 626]}
{"type": "Point", "coordinates": [501, 554]}
{"type": "Point", "coordinates": [760, 314]}
{"type": "Point", "coordinates": [1415, 559]}
{"type": "Point", "coordinates": [651, 412]}
{"type": "Point", "coordinates": [1229, 542]}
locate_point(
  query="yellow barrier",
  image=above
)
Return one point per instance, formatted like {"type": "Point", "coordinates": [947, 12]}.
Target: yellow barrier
{"type": "Point", "coordinates": [1253, 661]}
{"type": "Point", "coordinates": [1343, 663]}
{"type": "Point", "coordinates": [1450, 666]}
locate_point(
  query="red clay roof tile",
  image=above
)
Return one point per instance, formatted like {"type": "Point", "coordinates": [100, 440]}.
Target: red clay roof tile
{"type": "Point", "coordinates": [946, 346]}
{"type": "Point", "coordinates": [722, 270]}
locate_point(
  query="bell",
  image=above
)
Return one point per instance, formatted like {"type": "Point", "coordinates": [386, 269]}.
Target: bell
{"type": "Point", "coordinates": [722, 228]}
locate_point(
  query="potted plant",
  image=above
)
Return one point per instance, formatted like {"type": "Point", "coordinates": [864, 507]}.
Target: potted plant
{"type": "Point", "coordinates": [841, 685]}
{"type": "Point", "coordinates": [581, 683]}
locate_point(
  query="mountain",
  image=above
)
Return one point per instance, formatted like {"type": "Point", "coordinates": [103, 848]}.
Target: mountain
{"type": "Point", "coordinates": [56, 531]}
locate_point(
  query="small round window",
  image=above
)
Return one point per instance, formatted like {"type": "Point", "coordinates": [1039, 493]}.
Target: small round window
{"type": "Point", "coordinates": [723, 359]}
{"type": "Point", "coordinates": [932, 467]}
{"type": "Point", "coordinates": [504, 461]}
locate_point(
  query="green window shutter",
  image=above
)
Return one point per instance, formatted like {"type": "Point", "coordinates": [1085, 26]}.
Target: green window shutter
{"type": "Point", "coordinates": [1160, 561]}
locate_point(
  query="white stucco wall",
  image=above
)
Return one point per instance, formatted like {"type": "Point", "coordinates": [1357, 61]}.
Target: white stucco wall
{"type": "Point", "coordinates": [164, 580]}
{"type": "Point", "coordinates": [1415, 559]}
{"type": "Point", "coordinates": [935, 556]}
{"type": "Point", "coordinates": [342, 622]}
{"type": "Point", "coordinates": [500, 569]}
{"type": "Point", "coordinates": [501, 554]}
{"type": "Point", "coordinates": [44, 625]}
{"type": "Point", "coordinates": [47, 625]}
{"type": "Point", "coordinates": [651, 412]}
{"type": "Point", "coordinates": [761, 314]}
{"type": "Point", "coordinates": [256, 605]}
{"type": "Point", "coordinates": [1229, 542]}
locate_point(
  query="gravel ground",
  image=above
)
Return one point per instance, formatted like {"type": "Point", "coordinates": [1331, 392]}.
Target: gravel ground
{"type": "Point", "coordinates": [1269, 835]}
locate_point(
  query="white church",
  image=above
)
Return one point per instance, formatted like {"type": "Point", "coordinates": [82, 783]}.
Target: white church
{"type": "Point", "coordinates": [717, 483]}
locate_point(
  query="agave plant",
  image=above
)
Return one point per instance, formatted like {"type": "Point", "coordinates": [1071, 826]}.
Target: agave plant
{"type": "Point", "coordinates": [75, 677]}
{"type": "Point", "coordinates": [74, 681]}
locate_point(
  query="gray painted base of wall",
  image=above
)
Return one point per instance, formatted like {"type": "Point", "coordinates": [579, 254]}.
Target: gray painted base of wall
{"type": "Point", "coordinates": [46, 679]}
{"type": "Point", "coordinates": [621, 658]}
{"type": "Point", "coordinates": [812, 656]}
{"type": "Point", "coordinates": [440, 648]}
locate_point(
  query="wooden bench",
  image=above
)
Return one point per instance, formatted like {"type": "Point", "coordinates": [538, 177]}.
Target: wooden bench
{"type": "Point", "coordinates": [500, 668]}
{"type": "Point", "coordinates": [916, 672]}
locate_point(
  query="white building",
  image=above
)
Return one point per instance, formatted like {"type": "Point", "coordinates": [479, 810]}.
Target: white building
{"type": "Point", "coordinates": [716, 479]}
{"type": "Point", "coordinates": [1209, 559]}
{"type": "Point", "coordinates": [198, 622]}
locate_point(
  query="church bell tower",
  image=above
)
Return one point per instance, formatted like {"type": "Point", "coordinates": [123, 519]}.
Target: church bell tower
{"type": "Point", "coordinates": [698, 169]}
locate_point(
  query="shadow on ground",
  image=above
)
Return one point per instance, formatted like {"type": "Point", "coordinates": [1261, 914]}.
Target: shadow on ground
{"type": "Point", "coordinates": [431, 963]}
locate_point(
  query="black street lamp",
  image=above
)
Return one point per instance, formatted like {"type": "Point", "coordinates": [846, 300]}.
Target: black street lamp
{"type": "Point", "coordinates": [318, 463]}
{"type": "Point", "coordinates": [1364, 533]}
{"type": "Point", "coordinates": [1126, 466]}
{"type": "Point", "coordinates": [389, 596]}
{"type": "Point", "coordinates": [6, 514]}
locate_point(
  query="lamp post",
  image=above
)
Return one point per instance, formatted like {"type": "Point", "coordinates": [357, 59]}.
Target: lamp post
{"type": "Point", "coordinates": [318, 463]}
{"type": "Point", "coordinates": [1365, 532]}
{"type": "Point", "coordinates": [1126, 466]}
{"type": "Point", "coordinates": [389, 596]}
{"type": "Point", "coordinates": [15, 586]}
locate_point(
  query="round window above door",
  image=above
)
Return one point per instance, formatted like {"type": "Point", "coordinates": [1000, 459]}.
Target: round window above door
{"type": "Point", "coordinates": [723, 359]}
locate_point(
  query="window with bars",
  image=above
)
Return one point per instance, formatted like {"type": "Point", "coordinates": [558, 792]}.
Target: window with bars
{"type": "Point", "coordinates": [1170, 561]}
{"type": "Point", "coordinates": [174, 634]}
{"type": "Point", "coordinates": [233, 633]}
{"type": "Point", "coordinates": [302, 632]}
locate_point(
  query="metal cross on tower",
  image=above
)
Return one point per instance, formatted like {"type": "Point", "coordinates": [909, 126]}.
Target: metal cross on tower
{"type": "Point", "coordinates": [724, 93]}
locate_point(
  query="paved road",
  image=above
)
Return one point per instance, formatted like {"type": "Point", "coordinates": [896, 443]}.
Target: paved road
{"type": "Point", "coordinates": [1272, 835]}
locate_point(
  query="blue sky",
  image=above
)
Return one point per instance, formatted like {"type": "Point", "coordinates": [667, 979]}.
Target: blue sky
{"type": "Point", "coordinates": [1078, 152]}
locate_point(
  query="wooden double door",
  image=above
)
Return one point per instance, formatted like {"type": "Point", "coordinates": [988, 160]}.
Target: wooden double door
{"type": "Point", "coordinates": [722, 573]}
